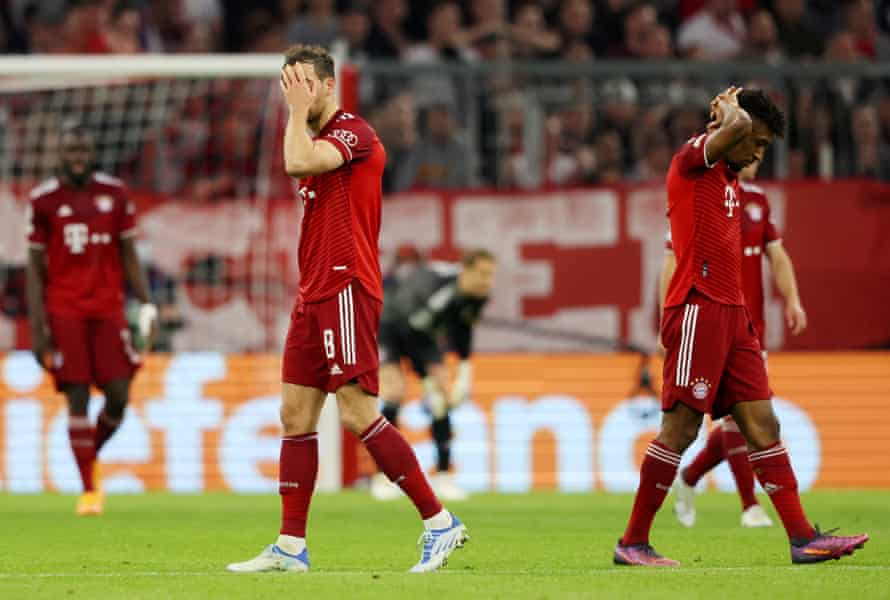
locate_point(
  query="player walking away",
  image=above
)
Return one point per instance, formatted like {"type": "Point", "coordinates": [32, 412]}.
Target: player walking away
{"type": "Point", "coordinates": [331, 345]}
{"type": "Point", "coordinates": [81, 235]}
{"type": "Point", "coordinates": [712, 355]}
{"type": "Point", "coordinates": [726, 442]}
{"type": "Point", "coordinates": [435, 301]}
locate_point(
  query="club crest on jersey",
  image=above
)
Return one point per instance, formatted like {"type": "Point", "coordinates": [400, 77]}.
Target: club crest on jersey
{"type": "Point", "coordinates": [701, 387]}
{"type": "Point", "coordinates": [64, 211]}
{"type": "Point", "coordinates": [104, 203]}
{"type": "Point", "coordinates": [755, 212]}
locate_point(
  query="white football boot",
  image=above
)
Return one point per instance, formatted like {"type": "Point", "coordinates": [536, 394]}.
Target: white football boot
{"type": "Point", "coordinates": [438, 544]}
{"type": "Point", "coordinates": [755, 516]}
{"type": "Point", "coordinates": [383, 489]}
{"type": "Point", "coordinates": [273, 558]}
{"type": "Point", "coordinates": [684, 502]}
{"type": "Point", "coordinates": [447, 489]}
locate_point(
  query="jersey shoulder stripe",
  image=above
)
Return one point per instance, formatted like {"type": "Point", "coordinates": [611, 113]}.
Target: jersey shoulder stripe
{"type": "Point", "coordinates": [44, 188]}
{"type": "Point", "coordinates": [107, 179]}
{"type": "Point", "coordinates": [751, 188]}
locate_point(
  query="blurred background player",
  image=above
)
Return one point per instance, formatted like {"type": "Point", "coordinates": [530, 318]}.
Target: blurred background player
{"type": "Point", "coordinates": [331, 345]}
{"type": "Point", "coordinates": [433, 308]}
{"type": "Point", "coordinates": [713, 360]}
{"type": "Point", "coordinates": [759, 238]}
{"type": "Point", "coordinates": [82, 251]}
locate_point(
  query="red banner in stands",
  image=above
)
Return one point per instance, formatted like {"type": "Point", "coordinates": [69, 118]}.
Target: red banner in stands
{"type": "Point", "coordinates": [583, 262]}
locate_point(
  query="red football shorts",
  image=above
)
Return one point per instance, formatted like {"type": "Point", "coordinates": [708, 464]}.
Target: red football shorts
{"type": "Point", "coordinates": [91, 350]}
{"type": "Point", "coordinates": [334, 342]}
{"type": "Point", "coordinates": [712, 357]}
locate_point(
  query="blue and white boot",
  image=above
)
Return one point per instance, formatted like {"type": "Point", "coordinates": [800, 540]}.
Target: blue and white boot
{"type": "Point", "coordinates": [438, 544]}
{"type": "Point", "coordinates": [273, 558]}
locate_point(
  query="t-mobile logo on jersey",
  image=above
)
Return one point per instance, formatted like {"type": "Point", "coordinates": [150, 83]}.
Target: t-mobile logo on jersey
{"type": "Point", "coordinates": [730, 201]}
{"type": "Point", "coordinates": [76, 237]}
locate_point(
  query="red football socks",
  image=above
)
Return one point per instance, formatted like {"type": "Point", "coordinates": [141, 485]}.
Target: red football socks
{"type": "Point", "coordinates": [656, 476]}
{"type": "Point", "coordinates": [105, 428]}
{"type": "Point", "coordinates": [80, 433]}
{"type": "Point", "coordinates": [709, 457]}
{"type": "Point", "coordinates": [297, 470]}
{"type": "Point", "coordinates": [736, 452]}
{"type": "Point", "coordinates": [773, 470]}
{"type": "Point", "coordinates": [396, 459]}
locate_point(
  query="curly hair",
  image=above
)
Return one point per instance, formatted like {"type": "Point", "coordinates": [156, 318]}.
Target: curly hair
{"type": "Point", "coordinates": [761, 107]}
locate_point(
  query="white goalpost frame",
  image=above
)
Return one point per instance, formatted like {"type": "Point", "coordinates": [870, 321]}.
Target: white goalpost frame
{"type": "Point", "coordinates": [22, 74]}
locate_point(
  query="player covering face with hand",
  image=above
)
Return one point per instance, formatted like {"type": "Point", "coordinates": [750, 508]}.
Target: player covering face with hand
{"type": "Point", "coordinates": [331, 345]}
{"type": "Point", "coordinates": [81, 234]}
{"type": "Point", "coordinates": [713, 359]}
{"type": "Point", "coordinates": [434, 306]}
{"type": "Point", "coordinates": [760, 239]}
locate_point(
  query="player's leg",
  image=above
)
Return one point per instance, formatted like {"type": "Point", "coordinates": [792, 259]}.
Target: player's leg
{"type": "Point", "coordinates": [684, 487]}
{"type": "Point", "coordinates": [392, 392]}
{"type": "Point", "coordinates": [745, 381]}
{"type": "Point", "coordinates": [392, 380]}
{"type": "Point", "coordinates": [72, 370]}
{"type": "Point", "coordinates": [115, 362]}
{"type": "Point", "coordinates": [353, 323]}
{"type": "Point", "coordinates": [736, 454]}
{"type": "Point", "coordinates": [394, 456]}
{"type": "Point", "coordinates": [305, 374]}
{"type": "Point", "coordinates": [435, 383]}
{"type": "Point", "coordinates": [695, 350]}
{"type": "Point", "coordinates": [117, 396]}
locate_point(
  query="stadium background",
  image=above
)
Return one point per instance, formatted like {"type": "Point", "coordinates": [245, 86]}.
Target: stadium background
{"type": "Point", "coordinates": [540, 130]}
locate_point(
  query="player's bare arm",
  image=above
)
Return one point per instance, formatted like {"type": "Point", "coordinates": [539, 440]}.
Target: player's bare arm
{"type": "Point", "coordinates": [668, 266]}
{"type": "Point", "coordinates": [730, 125]}
{"type": "Point", "coordinates": [138, 280]}
{"type": "Point", "coordinates": [41, 341]}
{"type": "Point", "coordinates": [786, 280]}
{"type": "Point", "coordinates": [304, 156]}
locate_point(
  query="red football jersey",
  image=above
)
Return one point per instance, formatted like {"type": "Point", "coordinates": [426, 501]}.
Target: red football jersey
{"type": "Point", "coordinates": [758, 231]}
{"type": "Point", "coordinates": [341, 214]}
{"type": "Point", "coordinates": [81, 229]}
{"type": "Point", "coordinates": [703, 208]}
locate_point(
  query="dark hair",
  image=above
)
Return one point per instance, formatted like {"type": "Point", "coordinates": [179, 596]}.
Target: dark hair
{"type": "Point", "coordinates": [761, 107]}
{"type": "Point", "coordinates": [317, 56]}
{"type": "Point", "coordinates": [471, 257]}
{"type": "Point", "coordinates": [122, 6]}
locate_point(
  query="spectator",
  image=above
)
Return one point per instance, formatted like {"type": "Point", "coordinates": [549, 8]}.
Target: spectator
{"type": "Point", "coordinates": [871, 156]}
{"type": "Point", "coordinates": [395, 121]}
{"type": "Point", "coordinates": [763, 41]}
{"type": "Point", "coordinates": [45, 31]}
{"type": "Point", "coordinates": [387, 39]}
{"type": "Point", "coordinates": [531, 38]}
{"type": "Point", "coordinates": [319, 25]}
{"type": "Point", "coordinates": [716, 32]}
{"type": "Point", "coordinates": [800, 38]}
{"type": "Point", "coordinates": [440, 160]}
{"type": "Point", "coordinates": [610, 17]}
{"type": "Point", "coordinates": [443, 44]}
{"type": "Point", "coordinates": [355, 26]}
{"type": "Point", "coordinates": [609, 157]}
{"type": "Point", "coordinates": [861, 22]}
{"type": "Point", "coordinates": [657, 44]}
{"type": "Point", "coordinates": [639, 22]}
{"type": "Point", "coordinates": [575, 21]}
{"type": "Point", "coordinates": [122, 32]}
{"type": "Point", "coordinates": [656, 155]}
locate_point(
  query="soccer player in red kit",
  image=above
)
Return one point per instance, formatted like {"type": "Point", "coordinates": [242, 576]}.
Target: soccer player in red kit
{"type": "Point", "coordinates": [331, 345]}
{"type": "Point", "coordinates": [81, 236]}
{"type": "Point", "coordinates": [712, 355]}
{"type": "Point", "coordinates": [760, 239]}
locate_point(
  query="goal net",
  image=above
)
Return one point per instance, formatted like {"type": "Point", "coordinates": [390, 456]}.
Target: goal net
{"type": "Point", "coordinates": [197, 140]}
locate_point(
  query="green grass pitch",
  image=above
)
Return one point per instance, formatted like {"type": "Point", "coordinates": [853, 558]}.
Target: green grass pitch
{"type": "Point", "coordinates": [542, 545]}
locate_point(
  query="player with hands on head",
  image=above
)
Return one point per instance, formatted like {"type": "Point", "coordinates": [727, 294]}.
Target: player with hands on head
{"type": "Point", "coordinates": [331, 344]}
{"type": "Point", "coordinates": [713, 359]}
{"type": "Point", "coordinates": [81, 236]}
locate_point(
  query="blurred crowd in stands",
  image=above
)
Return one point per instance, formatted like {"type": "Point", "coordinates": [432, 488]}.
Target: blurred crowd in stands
{"type": "Point", "coordinates": [448, 131]}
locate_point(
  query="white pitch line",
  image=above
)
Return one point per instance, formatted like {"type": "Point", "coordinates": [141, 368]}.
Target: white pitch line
{"type": "Point", "coordinates": [459, 571]}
